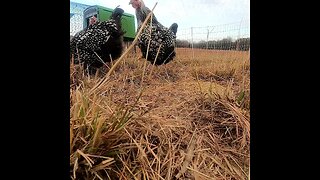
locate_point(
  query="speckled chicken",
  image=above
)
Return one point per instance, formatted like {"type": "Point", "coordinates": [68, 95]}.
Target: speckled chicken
{"type": "Point", "coordinates": [99, 43]}
{"type": "Point", "coordinates": [161, 36]}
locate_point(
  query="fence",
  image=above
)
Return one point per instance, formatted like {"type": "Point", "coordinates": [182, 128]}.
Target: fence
{"type": "Point", "coordinates": [233, 36]}
{"type": "Point", "coordinates": [76, 17]}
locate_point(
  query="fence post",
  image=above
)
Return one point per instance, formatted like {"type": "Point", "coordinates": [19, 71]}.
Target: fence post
{"type": "Point", "coordinates": [192, 42]}
{"type": "Point", "coordinates": [238, 44]}
{"type": "Point", "coordinates": [208, 37]}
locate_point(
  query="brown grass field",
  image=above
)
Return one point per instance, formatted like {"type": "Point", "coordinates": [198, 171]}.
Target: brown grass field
{"type": "Point", "coordinates": [189, 119]}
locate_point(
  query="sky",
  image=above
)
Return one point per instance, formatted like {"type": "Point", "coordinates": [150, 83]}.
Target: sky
{"type": "Point", "coordinates": [188, 13]}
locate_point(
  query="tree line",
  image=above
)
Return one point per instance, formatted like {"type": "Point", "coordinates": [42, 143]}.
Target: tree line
{"type": "Point", "coordinates": [241, 44]}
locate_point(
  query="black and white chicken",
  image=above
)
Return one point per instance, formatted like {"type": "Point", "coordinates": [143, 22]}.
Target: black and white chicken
{"type": "Point", "coordinates": [99, 43]}
{"type": "Point", "coordinates": [161, 36]}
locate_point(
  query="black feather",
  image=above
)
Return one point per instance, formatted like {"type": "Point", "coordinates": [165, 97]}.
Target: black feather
{"type": "Point", "coordinates": [99, 43]}
{"type": "Point", "coordinates": [161, 37]}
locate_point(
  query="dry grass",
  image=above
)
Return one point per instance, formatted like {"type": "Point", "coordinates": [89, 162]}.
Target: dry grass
{"type": "Point", "coordinates": [189, 119]}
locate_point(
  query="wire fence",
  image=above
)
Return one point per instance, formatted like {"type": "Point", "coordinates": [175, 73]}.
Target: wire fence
{"type": "Point", "coordinates": [76, 17]}
{"type": "Point", "coordinates": [233, 36]}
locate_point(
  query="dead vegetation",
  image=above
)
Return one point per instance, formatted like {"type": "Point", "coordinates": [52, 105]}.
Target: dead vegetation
{"type": "Point", "coordinates": [189, 119]}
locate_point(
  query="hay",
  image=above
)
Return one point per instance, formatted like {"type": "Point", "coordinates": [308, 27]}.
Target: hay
{"type": "Point", "coordinates": [173, 124]}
